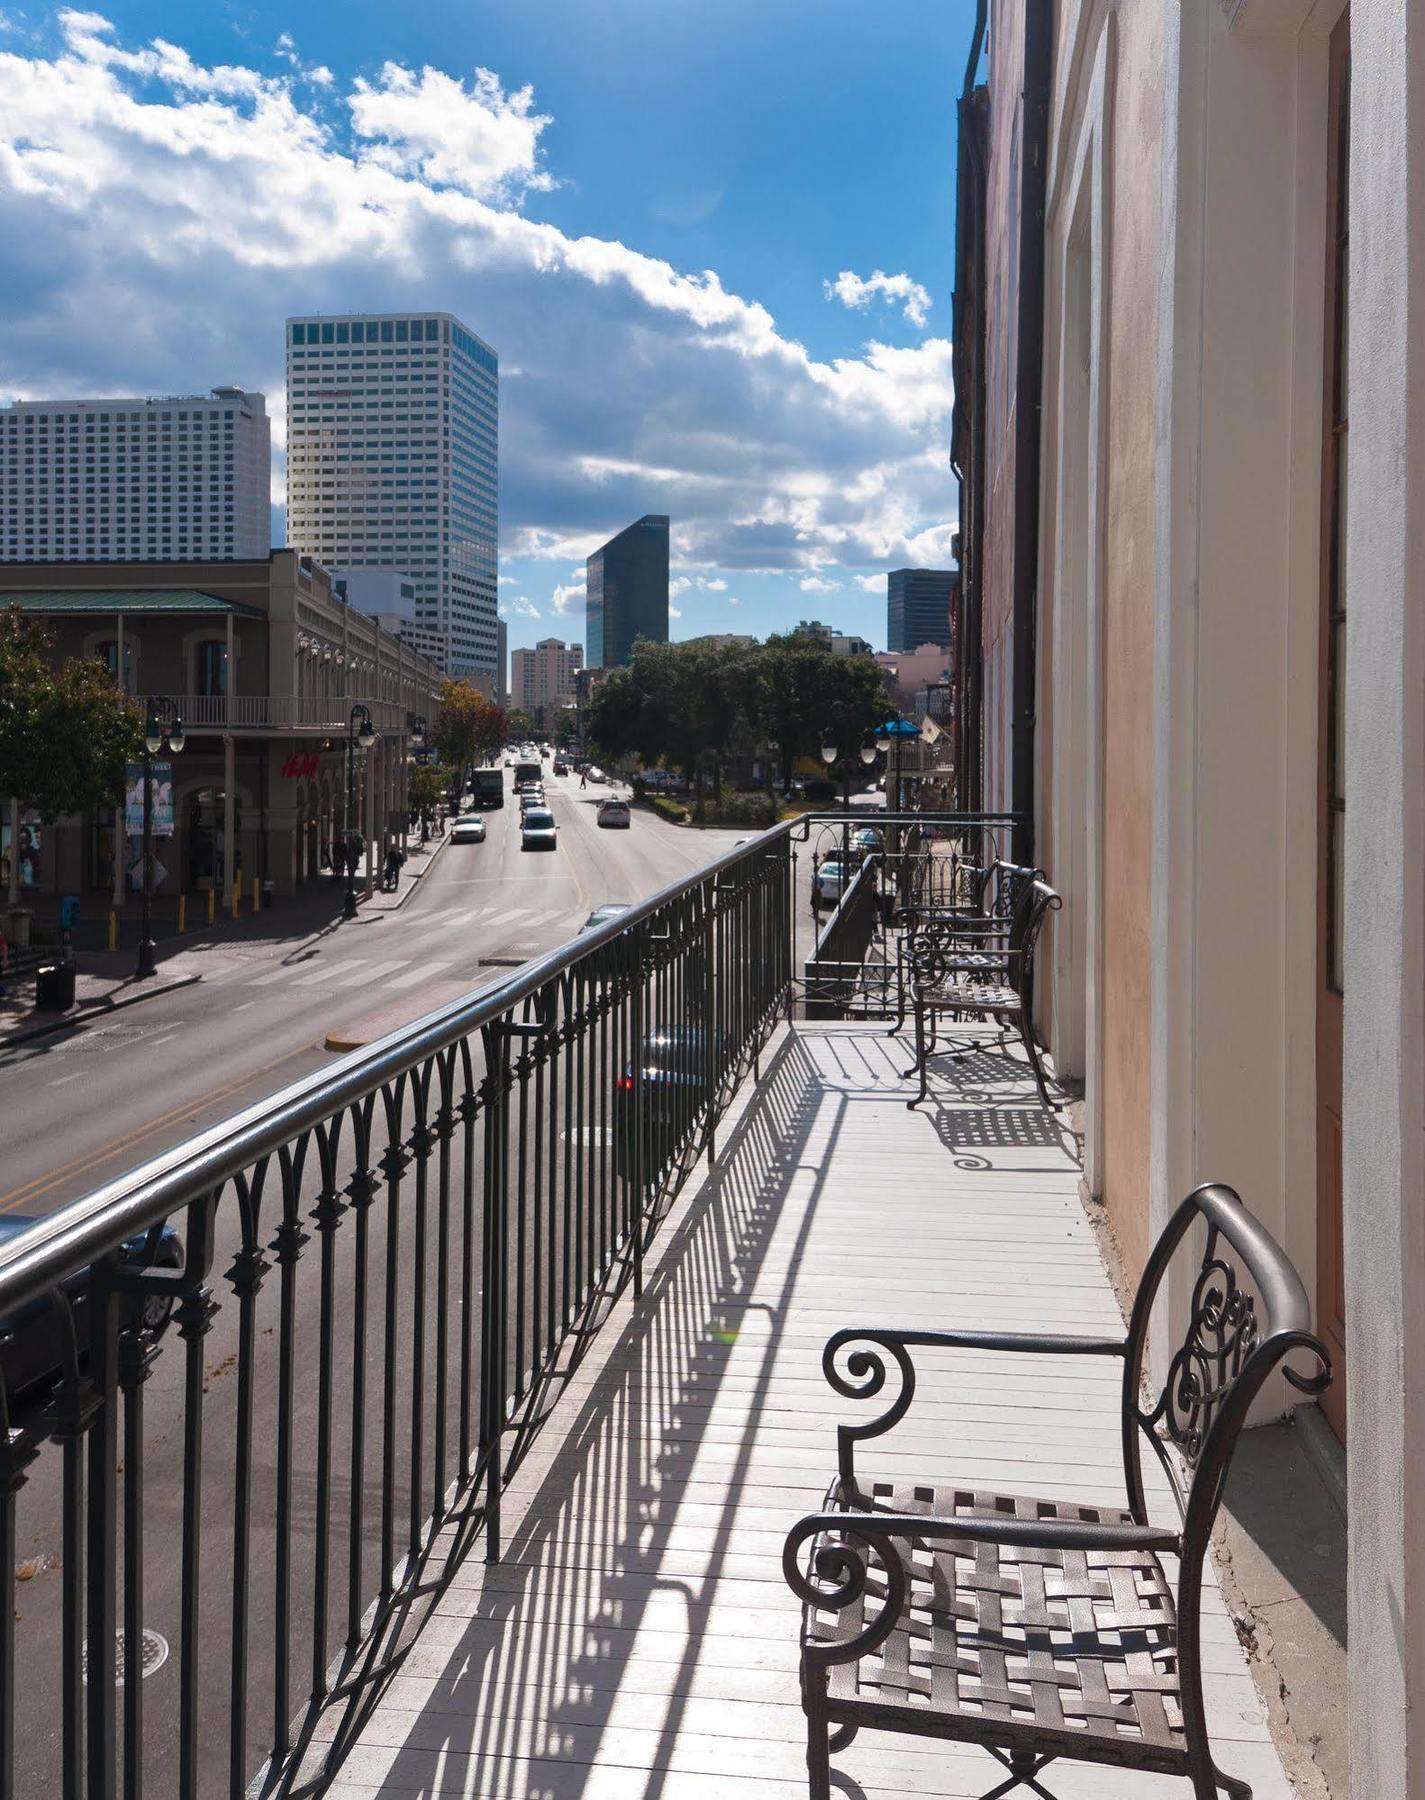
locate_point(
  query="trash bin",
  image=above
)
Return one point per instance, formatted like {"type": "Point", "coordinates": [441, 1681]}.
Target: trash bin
{"type": "Point", "coordinates": [54, 984]}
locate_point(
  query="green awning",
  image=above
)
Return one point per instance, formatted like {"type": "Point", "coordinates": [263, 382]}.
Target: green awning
{"type": "Point", "coordinates": [63, 602]}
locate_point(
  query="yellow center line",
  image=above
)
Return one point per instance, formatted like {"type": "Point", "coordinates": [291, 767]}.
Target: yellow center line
{"type": "Point", "coordinates": [42, 1184]}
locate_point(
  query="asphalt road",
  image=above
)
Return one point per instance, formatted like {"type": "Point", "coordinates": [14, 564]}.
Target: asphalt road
{"type": "Point", "coordinates": [81, 1107]}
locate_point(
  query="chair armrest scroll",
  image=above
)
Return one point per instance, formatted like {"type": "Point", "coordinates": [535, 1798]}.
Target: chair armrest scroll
{"type": "Point", "coordinates": [994, 1528]}
{"type": "Point", "coordinates": [835, 1576]}
{"type": "Point", "coordinates": [866, 1366]}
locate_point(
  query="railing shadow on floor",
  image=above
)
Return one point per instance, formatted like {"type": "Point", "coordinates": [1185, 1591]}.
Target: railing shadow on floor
{"type": "Point", "coordinates": [601, 1523]}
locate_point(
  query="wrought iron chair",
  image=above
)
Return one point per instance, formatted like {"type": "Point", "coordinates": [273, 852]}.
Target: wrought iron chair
{"type": "Point", "coordinates": [1038, 1629]}
{"type": "Point", "coordinates": [980, 977]}
{"type": "Point", "coordinates": [978, 921]}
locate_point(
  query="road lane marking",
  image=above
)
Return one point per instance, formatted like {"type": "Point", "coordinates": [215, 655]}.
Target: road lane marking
{"type": "Point", "coordinates": [60, 1080]}
{"type": "Point", "coordinates": [79, 1165]}
{"type": "Point", "coordinates": [163, 1040]}
{"type": "Point", "coordinates": [243, 1007]}
{"type": "Point", "coordinates": [426, 971]}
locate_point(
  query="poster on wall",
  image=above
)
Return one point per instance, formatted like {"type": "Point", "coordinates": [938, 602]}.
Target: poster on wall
{"type": "Point", "coordinates": [162, 799]}
{"type": "Point", "coordinates": [31, 838]}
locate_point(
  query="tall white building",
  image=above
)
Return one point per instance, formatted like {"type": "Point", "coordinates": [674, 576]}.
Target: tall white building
{"type": "Point", "coordinates": [542, 680]}
{"type": "Point", "coordinates": [392, 442]}
{"type": "Point", "coordinates": [184, 478]}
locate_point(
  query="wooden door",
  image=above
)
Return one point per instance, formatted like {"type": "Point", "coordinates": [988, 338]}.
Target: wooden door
{"type": "Point", "coordinates": [1330, 987]}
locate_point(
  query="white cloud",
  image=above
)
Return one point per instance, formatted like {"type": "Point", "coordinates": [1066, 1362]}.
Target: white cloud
{"type": "Point", "coordinates": [674, 612]}
{"type": "Point", "coordinates": [478, 140]}
{"type": "Point", "coordinates": [716, 587]}
{"type": "Point", "coordinates": [506, 581]}
{"type": "Point", "coordinates": [873, 584]}
{"type": "Point", "coordinates": [851, 290]}
{"type": "Point", "coordinates": [566, 600]}
{"type": "Point", "coordinates": [817, 584]}
{"type": "Point", "coordinates": [200, 204]}
{"type": "Point", "coordinates": [525, 609]}
{"type": "Point", "coordinates": [732, 602]}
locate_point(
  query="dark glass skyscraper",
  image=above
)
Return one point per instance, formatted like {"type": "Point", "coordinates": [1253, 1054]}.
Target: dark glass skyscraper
{"type": "Point", "coordinates": [627, 592]}
{"type": "Point", "coordinates": [919, 606]}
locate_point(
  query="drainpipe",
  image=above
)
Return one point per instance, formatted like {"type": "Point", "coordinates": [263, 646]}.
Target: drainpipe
{"type": "Point", "coordinates": [967, 458]}
{"type": "Point", "coordinates": [1029, 405]}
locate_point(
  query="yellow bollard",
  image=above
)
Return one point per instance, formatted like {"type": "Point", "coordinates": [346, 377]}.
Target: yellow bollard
{"type": "Point", "coordinates": [237, 892]}
{"type": "Point", "coordinates": [113, 930]}
{"type": "Point", "coordinates": [182, 913]}
{"type": "Point", "coordinates": [256, 898]}
{"type": "Point", "coordinates": [212, 901]}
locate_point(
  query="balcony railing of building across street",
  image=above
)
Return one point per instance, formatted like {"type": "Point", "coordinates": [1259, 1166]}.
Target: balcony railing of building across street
{"type": "Point", "coordinates": [281, 712]}
{"type": "Point", "coordinates": [392, 1266]}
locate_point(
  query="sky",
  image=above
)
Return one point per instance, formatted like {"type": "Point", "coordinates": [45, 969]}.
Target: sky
{"type": "Point", "coordinates": [712, 244]}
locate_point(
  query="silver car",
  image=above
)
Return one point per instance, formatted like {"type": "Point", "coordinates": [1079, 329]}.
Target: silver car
{"type": "Point", "coordinates": [537, 829]}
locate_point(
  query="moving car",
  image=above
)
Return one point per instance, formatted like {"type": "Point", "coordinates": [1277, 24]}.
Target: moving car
{"type": "Point", "coordinates": [469, 828]}
{"type": "Point", "coordinates": [537, 829]}
{"type": "Point", "coordinates": [678, 1074]}
{"type": "Point", "coordinates": [614, 813]}
{"type": "Point", "coordinates": [828, 883]}
{"type": "Point", "coordinates": [527, 768]}
{"type": "Point", "coordinates": [560, 766]}
{"type": "Point", "coordinates": [602, 914]}
{"type": "Point", "coordinates": [596, 774]}
{"type": "Point", "coordinates": [531, 797]}
{"type": "Point", "coordinates": [33, 1339]}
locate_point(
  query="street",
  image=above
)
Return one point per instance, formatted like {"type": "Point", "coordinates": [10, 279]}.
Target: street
{"type": "Point", "coordinates": [83, 1106]}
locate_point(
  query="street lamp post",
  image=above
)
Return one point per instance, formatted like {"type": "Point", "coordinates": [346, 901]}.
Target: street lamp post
{"type": "Point", "coordinates": [889, 739]}
{"type": "Point", "coordinates": [360, 735]}
{"type": "Point", "coordinates": [163, 730]}
{"type": "Point", "coordinates": [419, 727]}
{"type": "Point", "coordinates": [829, 754]}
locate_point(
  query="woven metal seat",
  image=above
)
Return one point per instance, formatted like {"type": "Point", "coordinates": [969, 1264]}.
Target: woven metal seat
{"type": "Point", "coordinates": [1078, 1643]}
{"type": "Point", "coordinates": [1036, 1629]}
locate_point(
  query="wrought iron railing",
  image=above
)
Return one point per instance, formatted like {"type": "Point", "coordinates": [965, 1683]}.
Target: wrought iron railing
{"type": "Point", "coordinates": [281, 712]}
{"type": "Point", "coordinates": [264, 1462]}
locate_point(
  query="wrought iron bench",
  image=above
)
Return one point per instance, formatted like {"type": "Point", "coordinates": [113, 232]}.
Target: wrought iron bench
{"type": "Point", "coordinates": [1040, 1629]}
{"type": "Point", "coordinates": [986, 976]}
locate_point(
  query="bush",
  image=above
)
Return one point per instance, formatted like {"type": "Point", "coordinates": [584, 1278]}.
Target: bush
{"type": "Point", "coordinates": [757, 810]}
{"type": "Point", "coordinates": [670, 810]}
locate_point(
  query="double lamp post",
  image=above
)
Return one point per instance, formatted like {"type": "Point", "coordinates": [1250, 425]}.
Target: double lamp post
{"type": "Point", "coordinates": [360, 736]}
{"type": "Point", "coordinates": [830, 752]}
{"type": "Point", "coordinates": [163, 731]}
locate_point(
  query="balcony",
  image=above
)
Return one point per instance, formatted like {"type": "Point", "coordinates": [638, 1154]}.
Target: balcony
{"type": "Point", "coordinates": [494, 1384]}
{"type": "Point", "coordinates": [279, 712]}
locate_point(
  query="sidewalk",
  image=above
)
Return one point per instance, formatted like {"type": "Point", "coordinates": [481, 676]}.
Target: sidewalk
{"type": "Point", "coordinates": [105, 980]}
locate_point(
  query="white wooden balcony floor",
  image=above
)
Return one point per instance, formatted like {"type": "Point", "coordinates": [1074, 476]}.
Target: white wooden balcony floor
{"type": "Point", "coordinates": [637, 1642]}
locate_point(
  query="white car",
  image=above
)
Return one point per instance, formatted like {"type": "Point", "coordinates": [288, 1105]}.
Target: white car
{"type": "Point", "coordinates": [615, 814]}
{"type": "Point", "coordinates": [469, 828]}
{"type": "Point", "coordinates": [827, 884]}
{"type": "Point", "coordinates": [596, 774]}
{"type": "Point", "coordinates": [537, 829]}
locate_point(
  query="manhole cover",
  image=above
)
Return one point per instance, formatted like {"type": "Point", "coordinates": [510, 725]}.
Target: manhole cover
{"type": "Point", "coordinates": [155, 1655]}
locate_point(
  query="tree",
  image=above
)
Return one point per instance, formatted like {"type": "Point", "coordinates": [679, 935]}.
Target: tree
{"type": "Point", "coordinates": [429, 781]}
{"type": "Point", "coordinates": [469, 727]}
{"type": "Point", "coordinates": [66, 729]}
{"type": "Point", "coordinates": [518, 724]}
{"type": "Point", "coordinates": [803, 693]}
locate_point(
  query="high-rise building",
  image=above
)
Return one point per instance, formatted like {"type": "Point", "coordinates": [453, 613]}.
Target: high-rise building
{"type": "Point", "coordinates": [545, 680]}
{"type": "Point", "coordinates": [392, 444]}
{"type": "Point", "coordinates": [627, 592]}
{"type": "Point", "coordinates": [187, 477]}
{"type": "Point", "coordinates": [919, 606]}
{"type": "Point", "coordinates": [502, 663]}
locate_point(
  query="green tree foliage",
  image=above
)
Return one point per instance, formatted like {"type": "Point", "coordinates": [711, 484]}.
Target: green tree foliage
{"type": "Point", "coordinates": [692, 705]}
{"type": "Point", "coordinates": [66, 730]}
{"type": "Point", "coordinates": [469, 727]}
{"type": "Point", "coordinates": [428, 786]}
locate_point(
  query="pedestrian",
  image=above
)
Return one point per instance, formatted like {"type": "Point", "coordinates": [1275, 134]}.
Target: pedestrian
{"type": "Point", "coordinates": [395, 862]}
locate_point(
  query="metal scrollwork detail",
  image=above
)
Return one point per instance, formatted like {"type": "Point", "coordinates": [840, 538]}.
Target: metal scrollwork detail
{"type": "Point", "coordinates": [837, 1575]}
{"type": "Point", "coordinates": [1222, 1333]}
{"type": "Point", "coordinates": [862, 1375]}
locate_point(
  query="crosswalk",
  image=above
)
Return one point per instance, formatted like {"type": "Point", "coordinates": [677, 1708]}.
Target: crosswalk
{"type": "Point", "coordinates": [432, 950]}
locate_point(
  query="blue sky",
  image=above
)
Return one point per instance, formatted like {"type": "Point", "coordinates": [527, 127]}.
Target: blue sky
{"type": "Point", "coordinates": [668, 219]}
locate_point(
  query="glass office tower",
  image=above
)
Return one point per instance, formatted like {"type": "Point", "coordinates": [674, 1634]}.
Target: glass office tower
{"type": "Point", "coordinates": [627, 592]}
{"type": "Point", "coordinates": [919, 606]}
{"type": "Point", "coordinates": [392, 462]}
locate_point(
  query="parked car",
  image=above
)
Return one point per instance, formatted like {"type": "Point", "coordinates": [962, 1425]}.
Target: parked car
{"type": "Point", "coordinates": [615, 814]}
{"type": "Point", "coordinates": [33, 1339]}
{"type": "Point", "coordinates": [537, 829]}
{"type": "Point", "coordinates": [828, 883]}
{"type": "Point", "coordinates": [678, 1070]}
{"type": "Point", "coordinates": [596, 774]}
{"type": "Point", "coordinates": [865, 842]}
{"type": "Point", "coordinates": [602, 914]}
{"type": "Point", "coordinates": [469, 828]}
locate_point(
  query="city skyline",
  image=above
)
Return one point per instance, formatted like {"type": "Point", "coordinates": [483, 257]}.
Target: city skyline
{"type": "Point", "coordinates": [367, 169]}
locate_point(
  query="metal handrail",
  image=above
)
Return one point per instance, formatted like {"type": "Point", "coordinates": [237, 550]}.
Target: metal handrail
{"type": "Point", "coordinates": [462, 1197]}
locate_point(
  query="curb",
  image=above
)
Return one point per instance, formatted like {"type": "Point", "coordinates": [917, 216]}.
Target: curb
{"type": "Point", "coordinates": [381, 911]}
{"type": "Point", "coordinates": [96, 1009]}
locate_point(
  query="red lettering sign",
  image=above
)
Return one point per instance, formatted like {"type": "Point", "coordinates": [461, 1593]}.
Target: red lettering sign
{"type": "Point", "coordinates": [301, 763]}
